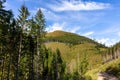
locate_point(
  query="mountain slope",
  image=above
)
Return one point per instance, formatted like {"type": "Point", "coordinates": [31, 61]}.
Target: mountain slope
{"type": "Point", "coordinates": [74, 47]}
{"type": "Point", "coordinates": [67, 37]}
{"type": "Point", "coordinates": [111, 65]}
{"type": "Point", "coordinates": [112, 68]}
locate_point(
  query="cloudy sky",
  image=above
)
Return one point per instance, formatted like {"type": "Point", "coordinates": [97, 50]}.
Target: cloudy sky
{"type": "Point", "coordinates": [96, 19]}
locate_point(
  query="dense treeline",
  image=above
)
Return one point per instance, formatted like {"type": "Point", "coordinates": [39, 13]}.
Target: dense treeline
{"type": "Point", "coordinates": [23, 55]}
{"type": "Point", "coordinates": [112, 53]}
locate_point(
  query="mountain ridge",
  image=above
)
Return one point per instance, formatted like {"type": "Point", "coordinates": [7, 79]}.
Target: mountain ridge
{"type": "Point", "coordinates": [68, 37]}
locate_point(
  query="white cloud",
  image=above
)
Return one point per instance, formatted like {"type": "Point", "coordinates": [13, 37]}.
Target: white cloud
{"type": "Point", "coordinates": [103, 41]}
{"type": "Point", "coordinates": [34, 11]}
{"type": "Point", "coordinates": [55, 26]}
{"type": "Point", "coordinates": [79, 5]}
{"type": "Point", "coordinates": [107, 41]}
{"type": "Point", "coordinates": [118, 33]}
{"type": "Point", "coordinates": [75, 29]}
{"type": "Point", "coordinates": [62, 26]}
{"type": "Point", "coordinates": [88, 33]}
{"type": "Point", "coordinates": [7, 5]}
{"type": "Point", "coordinates": [49, 15]}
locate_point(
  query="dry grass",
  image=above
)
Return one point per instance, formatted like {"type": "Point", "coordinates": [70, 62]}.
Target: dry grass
{"type": "Point", "coordinates": [71, 54]}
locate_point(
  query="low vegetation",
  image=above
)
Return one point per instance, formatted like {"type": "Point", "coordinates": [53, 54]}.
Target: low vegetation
{"type": "Point", "coordinates": [71, 52]}
{"type": "Point", "coordinates": [112, 68]}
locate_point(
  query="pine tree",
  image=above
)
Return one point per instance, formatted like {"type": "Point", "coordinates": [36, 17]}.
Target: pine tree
{"type": "Point", "coordinates": [40, 26]}
{"type": "Point", "coordinates": [58, 66]}
{"type": "Point", "coordinates": [31, 40]}
{"type": "Point", "coordinates": [6, 40]}
{"type": "Point", "coordinates": [24, 13]}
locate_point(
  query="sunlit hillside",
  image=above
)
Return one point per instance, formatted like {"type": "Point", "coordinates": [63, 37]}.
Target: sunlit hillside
{"type": "Point", "coordinates": [73, 53]}
{"type": "Point", "coordinates": [112, 67]}
{"type": "Point", "coordinates": [67, 37]}
{"type": "Point", "coordinates": [30, 51]}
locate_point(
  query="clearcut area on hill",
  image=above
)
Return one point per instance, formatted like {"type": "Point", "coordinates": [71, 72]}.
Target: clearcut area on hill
{"type": "Point", "coordinates": [74, 47]}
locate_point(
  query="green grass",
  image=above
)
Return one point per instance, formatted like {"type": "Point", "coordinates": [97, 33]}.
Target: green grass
{"type": "Point", "coordinates": [74, 47]}
{"type": "Point", "coordinates": [71, 54]}
{"type": "Point", "coordinates": [111, 67]}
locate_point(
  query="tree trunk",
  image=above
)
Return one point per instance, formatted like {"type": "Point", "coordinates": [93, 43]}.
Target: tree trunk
{"type": "Point", "coordinates": [33, 66]}
{"type": "Point", "coordinates": [8, 72]}
{"type": "Point", "coordinates": [10, 59]}
{"type": "Point", "coordinates": [2, 74]}
{"type": "Point", "coordinates": [31, 63]}
{"type": "Point", "coordinates": [37, 60]}
{"type": "Point", "coordinates": [19, 58]}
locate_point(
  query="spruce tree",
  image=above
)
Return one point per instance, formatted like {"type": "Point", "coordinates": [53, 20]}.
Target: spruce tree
{"type": "Point", "coordinates": [24, 13]}
{"type": "Point", "coordinates": [40, 27]}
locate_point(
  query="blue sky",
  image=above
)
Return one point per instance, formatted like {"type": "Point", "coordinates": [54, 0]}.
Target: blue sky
{"type": "Point", "coordinates": [96, 19]}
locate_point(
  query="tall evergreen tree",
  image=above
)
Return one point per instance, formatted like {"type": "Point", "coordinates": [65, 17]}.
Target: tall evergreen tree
{"type": "Point", "coordinates": [6, 40]}
{"type": "Point", "coordinates": [32, 47]}
{"type": "Point", "coordinates": [58, 66]}
{"type": "Point", "coordinates": [40, 27]}
{"type": "Point", "coordinates": [24, 13]}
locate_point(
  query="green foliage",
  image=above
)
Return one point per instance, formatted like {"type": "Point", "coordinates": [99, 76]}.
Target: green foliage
{"type": "Point", "coordinates": [83, 65]}
{"type": "Point", "coordinates": [58, 66]}
{"type": "Point", "coordinates": [70, 54]}
{"type": "Point", "coordinates": [24, 56]}
{"type": "Point", "coordinates": [68, 43]}
{"type": "Point", "coordinates": [24, 13]}
{"type": "Point", "coordinates": [112, 53]}
{"type": "Point", "coordinates": [22, 53]}
{"type": "Point", "coordinates": [66, 37]}
{"type": "Point", "coordinates": [112, 67]}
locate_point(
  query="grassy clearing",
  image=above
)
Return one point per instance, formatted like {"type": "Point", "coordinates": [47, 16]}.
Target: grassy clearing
{"type": "Point", "coordinates": [71, 54]}
{"type": "Point", "coordinates": [74, 47]}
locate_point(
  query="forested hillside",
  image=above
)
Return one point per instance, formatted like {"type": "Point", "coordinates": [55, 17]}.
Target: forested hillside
{"type": "Point", "coordinates": [97, 57]}
{"type": "Point", "coordinates": [74, 47]}
{"type": "Point", "coordinates": [23, 55]}
{"type": "Point", "coordinates": [28, 52]}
